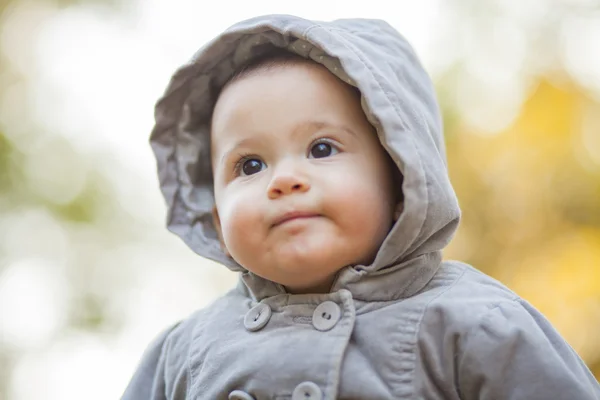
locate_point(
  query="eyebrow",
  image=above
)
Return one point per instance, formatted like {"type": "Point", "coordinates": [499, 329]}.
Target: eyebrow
{"type": "Point", "coordinates": [318, 125]}
{"type": "Point", "coordinates": [245, 142]}
{"type": "Point", "coordinates": [311, 126]}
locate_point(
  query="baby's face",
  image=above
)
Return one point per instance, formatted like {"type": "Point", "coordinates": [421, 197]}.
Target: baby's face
{"type": "Point", "coordinates": [302, 185]}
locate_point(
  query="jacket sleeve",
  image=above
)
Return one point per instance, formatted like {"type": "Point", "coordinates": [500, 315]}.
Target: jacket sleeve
{"type": "Point", "coordinates": [148, 381]}
{"type": "Point", "coordinates": [514, 353]}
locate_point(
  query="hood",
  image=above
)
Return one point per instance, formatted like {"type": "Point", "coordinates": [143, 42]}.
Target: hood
{"type": "Point", "coordinates": [398, 99]}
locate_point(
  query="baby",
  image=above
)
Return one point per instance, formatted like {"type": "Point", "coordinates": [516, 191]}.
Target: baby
{"type": "Point", "coordinates": [309, 157]}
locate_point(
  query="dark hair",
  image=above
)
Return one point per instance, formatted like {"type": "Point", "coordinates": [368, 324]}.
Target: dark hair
{"type": "Point", "coordinates": [274, 58]}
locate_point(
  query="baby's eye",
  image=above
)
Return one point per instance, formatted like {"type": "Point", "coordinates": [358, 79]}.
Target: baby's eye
{"type": "Point", "coordinates": [251, 166]}
{"type": "Point", "coordinates": [322, 150]}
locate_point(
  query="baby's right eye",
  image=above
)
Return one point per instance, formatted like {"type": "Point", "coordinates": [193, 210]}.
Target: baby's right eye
{"type": "Point", "coordinates": [251, 166]}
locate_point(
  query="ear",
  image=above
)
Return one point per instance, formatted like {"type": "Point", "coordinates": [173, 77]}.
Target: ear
{"type": "Point", "coordinates": [217, 224]}
{"type": "Point", "coordinates": [398, 210]}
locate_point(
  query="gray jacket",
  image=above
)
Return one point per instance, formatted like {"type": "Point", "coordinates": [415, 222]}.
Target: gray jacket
{"type": "Point", "coordinates": [409, 326]}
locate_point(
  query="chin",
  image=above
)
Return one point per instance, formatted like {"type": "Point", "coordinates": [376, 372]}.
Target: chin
{"type": "Point", "coordinates": [304, 261]}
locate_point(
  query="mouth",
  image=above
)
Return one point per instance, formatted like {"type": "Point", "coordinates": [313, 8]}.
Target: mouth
{"type": "Point", "coordinates": [294, 216]}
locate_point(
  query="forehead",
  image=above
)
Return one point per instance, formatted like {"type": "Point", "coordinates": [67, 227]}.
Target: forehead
{"type": "Point", "coordinates": [283, 96]}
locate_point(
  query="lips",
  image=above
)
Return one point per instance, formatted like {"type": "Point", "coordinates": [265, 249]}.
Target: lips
{"type": "Point", "coordinates": [293, 215]}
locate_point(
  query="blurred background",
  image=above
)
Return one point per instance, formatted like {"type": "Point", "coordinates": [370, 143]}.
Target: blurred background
{"type": "Point", "coordinates": [88, 273]}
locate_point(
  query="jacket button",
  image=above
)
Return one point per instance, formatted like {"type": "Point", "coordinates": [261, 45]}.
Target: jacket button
{"type": "Point", "coordinates": [240, 395]}
{"type": "Point", "coordinates": [307, 391]}
{"type": "Point", "coordinates": [326, 315]}
{"type": "Point", "coordinates": [257, 317]}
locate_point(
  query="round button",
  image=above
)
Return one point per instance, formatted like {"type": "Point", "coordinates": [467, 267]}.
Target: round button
{"type": "Point", "coordinates": [240, 395]}
{"type": "Point", "coordinates": [326, 315]}
{"type": "Point", "coordinates": [307, 391]}
{"type": "Point", "coordinates": [257, 317]}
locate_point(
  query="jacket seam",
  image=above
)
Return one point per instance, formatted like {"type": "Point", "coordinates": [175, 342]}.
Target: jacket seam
{"type": "Point", "coordinates": [425, 309]}
{"type": "Point", "coordinates": [484, 320]}
{"type": "Point", "coordinates": [167, 342]}
{"type": "Point", "coordinates": [192, 342]}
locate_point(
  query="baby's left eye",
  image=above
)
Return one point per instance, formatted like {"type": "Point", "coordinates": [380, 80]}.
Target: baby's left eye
{"type": "Point", "coordinates": [322, 150]}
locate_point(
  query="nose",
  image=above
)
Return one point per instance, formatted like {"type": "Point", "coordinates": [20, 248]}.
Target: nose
{"type": "Point", "coordinates": [287, 180]}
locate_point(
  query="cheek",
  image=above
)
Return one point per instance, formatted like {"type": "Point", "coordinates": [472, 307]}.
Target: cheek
{"type": "Point", "coordinates": [240, 218]}
{"type": "Point", "coordinates": [365, 205]}
{"type": "Point", "coordinates": [364, 198]}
